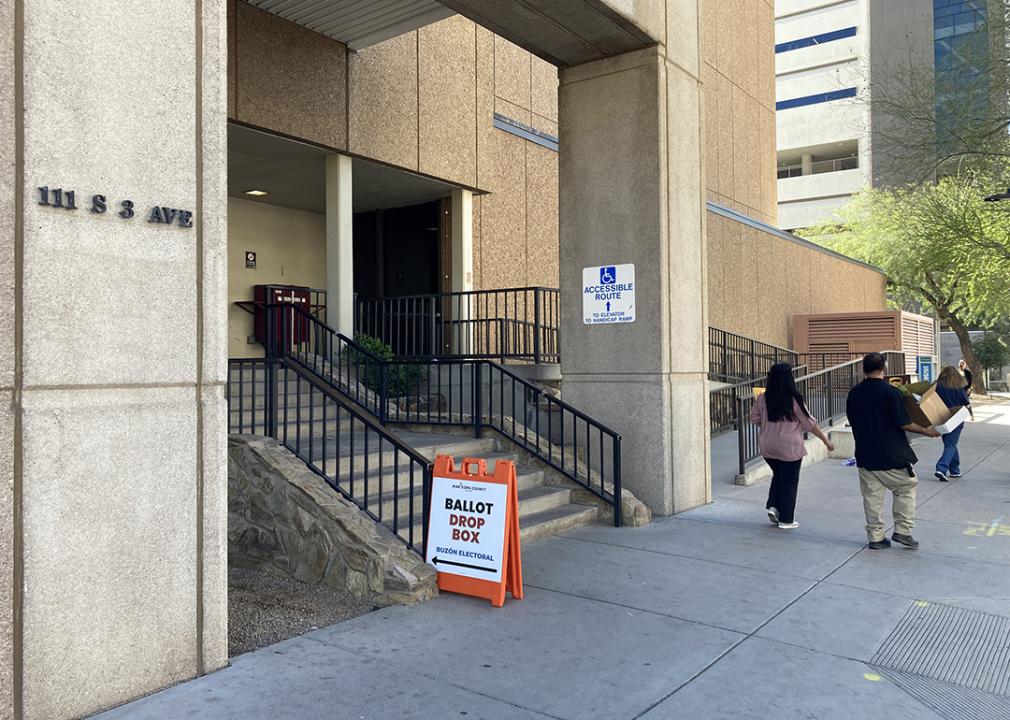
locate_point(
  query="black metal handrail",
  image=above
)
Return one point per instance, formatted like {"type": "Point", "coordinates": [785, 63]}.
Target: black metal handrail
{"type": "Point", "coordinates": [345, 364]}
{"type": "Point", "coordinates": [736, 358]}
{"type": "Point", "coordinates": [456, 391]}
{"type": "Point", "coordinates": [723, 401]}
{"type": "Point", "coordinates": [504, 324]}
{"type": "Point", "coordinates": [354, 454]}
{"type": "Point", "coordinates": [485, 395]}
{"type": "Point", "coordinates": [825, 392]}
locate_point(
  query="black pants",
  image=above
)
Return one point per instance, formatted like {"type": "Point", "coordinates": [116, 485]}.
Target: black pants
{"type": "Point", "coordinates": [785, 483]}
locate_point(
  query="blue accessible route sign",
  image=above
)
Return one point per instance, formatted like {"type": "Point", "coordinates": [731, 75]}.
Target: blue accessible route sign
{"type": "Point", "coordinates": [608, 294]}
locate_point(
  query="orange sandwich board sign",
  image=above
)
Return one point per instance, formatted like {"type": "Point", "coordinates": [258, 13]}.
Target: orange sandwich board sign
{"type": "Point", "coordinates": [473, 529]}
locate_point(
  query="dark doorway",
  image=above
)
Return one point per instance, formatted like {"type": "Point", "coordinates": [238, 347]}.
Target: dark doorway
{"type": "Point", "coordinates": [397, 251]}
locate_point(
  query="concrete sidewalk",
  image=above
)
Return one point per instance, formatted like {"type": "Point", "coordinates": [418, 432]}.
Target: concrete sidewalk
{"type": "Point", "coordinates": [713, 613]}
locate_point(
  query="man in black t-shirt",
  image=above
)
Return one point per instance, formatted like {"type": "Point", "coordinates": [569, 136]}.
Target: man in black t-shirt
{"type": "Point", "coordinates": [877, 414]}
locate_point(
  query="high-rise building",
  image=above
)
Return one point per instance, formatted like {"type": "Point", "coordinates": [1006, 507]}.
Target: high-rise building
{"type": "Point", "coordinates": [842, 67]}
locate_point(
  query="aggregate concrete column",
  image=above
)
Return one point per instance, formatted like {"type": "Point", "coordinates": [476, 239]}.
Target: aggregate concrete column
{"type": "Point", "coordinates": [113, 464]}
{"type": "Point", "coordinates": [631, 191]}
{"type": "Point", "coordinates": [8, 213]}
{"type": "Point", "coordinates": [340, 244]}
{"type": "Point", "coordinates": [462, 264]}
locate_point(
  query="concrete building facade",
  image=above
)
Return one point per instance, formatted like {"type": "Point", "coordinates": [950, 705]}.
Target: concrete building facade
{"type": "Point", "coordinates": [126, 225]}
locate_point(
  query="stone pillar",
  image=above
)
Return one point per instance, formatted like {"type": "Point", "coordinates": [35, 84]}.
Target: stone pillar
{"type": "Point", "coordinates": [113, 463]}
{"type": "Point", "coordinates": [631, 191]}
{"type": "Point", "coordinates": [340, 244]}
{"type": "Point", "coordinates": [462, 265]}
{"type": "Point", "coordinates": [807, 164]}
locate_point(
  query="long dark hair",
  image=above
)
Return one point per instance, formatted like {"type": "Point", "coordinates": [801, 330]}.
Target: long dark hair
{"type": "Point", "coordinates": [780, 392]}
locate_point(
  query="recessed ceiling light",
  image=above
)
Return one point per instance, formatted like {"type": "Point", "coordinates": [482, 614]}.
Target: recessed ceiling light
{"type": "Point", "coordinates": [256, 193]}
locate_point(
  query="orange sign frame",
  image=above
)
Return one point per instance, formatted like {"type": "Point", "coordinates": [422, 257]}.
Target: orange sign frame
{"type": "Point", "coordinates": [512, 568]}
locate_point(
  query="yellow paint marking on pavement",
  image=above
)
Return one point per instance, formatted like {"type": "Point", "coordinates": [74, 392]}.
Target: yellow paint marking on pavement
{"type": "Point", "coordinates": [872, 677]}
{"type": "Point", "coordinates": [921, 603]}
{"type": "Point", "coordinates": [988, 529]}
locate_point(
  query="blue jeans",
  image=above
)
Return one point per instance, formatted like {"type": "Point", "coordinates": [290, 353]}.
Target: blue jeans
{"type": "Point", "coordinates": [951, 458]}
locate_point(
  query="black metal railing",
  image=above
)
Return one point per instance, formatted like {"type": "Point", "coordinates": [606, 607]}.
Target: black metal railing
{"type": "Point", "coordinates": [825, 392]}
{"type": "Point", "coordinates": [348, 366]}
{"type": "Point", "coordinates": [470, 392]}
{"type": "Point", "coordinates": [504, 324]}
{"type": "Point", "coordinates": [353, 453]}
{"type": "Point", "coordinates": [735, 358]}
{"type": "Point", "coordinates": [485, 395]}
{"type": "Point", "coordinates": [723, 404]}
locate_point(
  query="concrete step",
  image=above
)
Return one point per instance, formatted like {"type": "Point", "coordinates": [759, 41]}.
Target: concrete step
{"type": "Point", "coordinates": [535, 500]}
{"type": "Point", "coordinates": [458, 446]}
{"type": "Point", "coordinates": [253, 417]}
{"type": "Point", "coordinates": [555, 521]}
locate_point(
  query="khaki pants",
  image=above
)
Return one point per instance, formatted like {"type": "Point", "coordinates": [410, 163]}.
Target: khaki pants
{"type": "Point", "coordinates": [874, 485]}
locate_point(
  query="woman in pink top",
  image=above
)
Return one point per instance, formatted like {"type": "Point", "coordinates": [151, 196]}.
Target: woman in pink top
{"type": "Point", "coordinates": [783, 418]}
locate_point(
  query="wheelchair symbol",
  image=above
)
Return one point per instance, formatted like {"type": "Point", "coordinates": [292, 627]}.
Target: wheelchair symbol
{"type": "Point", "coordinates": [608, 275]}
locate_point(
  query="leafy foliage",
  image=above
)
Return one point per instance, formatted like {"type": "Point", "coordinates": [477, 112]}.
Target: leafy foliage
{"type": "Point", "coordinates": [939, 244]}
{"type": "Point", "coordinates": [992, 351]}
{"type": "Point", "coordinates": [401, 377]}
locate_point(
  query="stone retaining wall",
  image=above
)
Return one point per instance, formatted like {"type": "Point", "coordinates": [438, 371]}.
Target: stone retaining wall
{"type": "Point", "coordinates": [285, 519]}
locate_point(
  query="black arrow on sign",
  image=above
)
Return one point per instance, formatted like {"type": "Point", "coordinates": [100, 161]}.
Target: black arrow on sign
{"type": "Point", "coordinates": [472, 567]}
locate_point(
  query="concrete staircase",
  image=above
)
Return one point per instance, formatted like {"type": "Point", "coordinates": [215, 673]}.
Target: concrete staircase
{"type": "Point", "coordinates": [383, 478]}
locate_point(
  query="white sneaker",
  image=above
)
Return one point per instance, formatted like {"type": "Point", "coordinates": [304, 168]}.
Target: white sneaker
{"type": "Point", "coordinates": [773, 515]}
{"type": "Point", "coordinates": [788, 526]}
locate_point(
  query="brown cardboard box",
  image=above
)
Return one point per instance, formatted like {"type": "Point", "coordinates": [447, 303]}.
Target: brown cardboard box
{"type": "Point", "coordinates": [930, 410]}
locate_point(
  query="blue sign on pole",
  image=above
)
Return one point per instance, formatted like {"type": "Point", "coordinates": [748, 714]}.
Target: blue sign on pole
{"type": "Point", "coordinates": [924, 366]}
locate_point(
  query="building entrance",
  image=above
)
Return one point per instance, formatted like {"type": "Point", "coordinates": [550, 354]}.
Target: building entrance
{"type": "Point", "coordinates": [372, 232]}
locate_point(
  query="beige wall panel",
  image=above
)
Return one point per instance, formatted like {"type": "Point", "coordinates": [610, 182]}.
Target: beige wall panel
{"type": "Point", "coordinates": [735, 285]}
{"type": "Point", "coordinates": [544, 89]}
{"type": "Point", "coordinates": [512, 111]}
{"type": "Point", "coordinates": [724, 59]}
{"type": "Point", "coordinates": [717, 270]}
{"type": "Point", "coordinates": [541, 216]}
{"type": "Point", "coordinates": [708, 14]}
{"type": "Point", "coordinates": [447, 97]}
{"type": "Point", "coordinates": [485, 137]}
{"type": "Point", "coordinates": [478, 279]}
{"type": "Point", "coordinates": [110, 546]}
{"type": "Point", "coordinates": [767, 181]}
{"type": "Point", "coordinates": [745, 48]}
{"type": "Point", "coordinates": [742, 149]}
{"type": "Point", "coordinates": [512, 73]}
{"type": "Point", "coordinates": [852, 294]}
{"type": "Point", "coordinates": [503, 212]}
{"type": "Point", "coordinates": [768, 282]}
{"type": "Point", "coordinates": [383, 101]}
{"type": "Point", "coordinates": [710, 95]}
{"type": "Point", "coordinates": [290, 247]}
{"type": "Point", "coordinates": [727, 138]}
{"type": "Point", "coordinates": [290, 79]}
{"type": "Point", "coordinates": [777, 283]}
{"type": "Point", "coordinates": [765, 87]}
{"type": "Point", "coordinates": [544, 125]}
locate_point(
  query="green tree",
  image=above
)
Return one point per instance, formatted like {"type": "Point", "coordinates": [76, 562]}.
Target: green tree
{"type": "Point", "coordinates": [939, 244]}
{"type": "Point", "coordinates": [992, 351]}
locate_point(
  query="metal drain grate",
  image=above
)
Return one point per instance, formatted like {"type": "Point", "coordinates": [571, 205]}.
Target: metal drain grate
{"type": "Point", "coordinates": [951, 702]}
{"type": "Point", "coordinates": [961, 647]}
